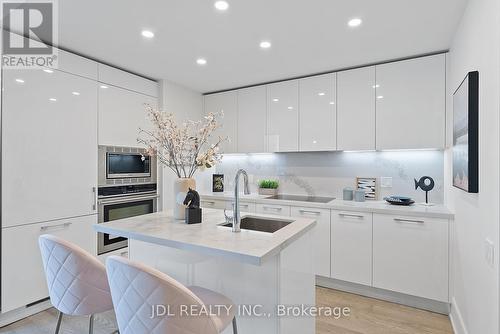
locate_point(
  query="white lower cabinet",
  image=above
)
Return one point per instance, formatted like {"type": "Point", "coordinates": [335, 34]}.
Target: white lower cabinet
{"type": "Point", "coordinates": [321, 237]}
{"type": "Point", "coordinates": [352, 246]}
{"type": "Point", "coordinates": [213, 204]}
{"type": "Point", "coordinates": [410, 255]}
{"type": "Point", "coordinates": [244, 206]}
{"type": "Point", "coordinates": [23, 278]}
{"type": "Point", "coordinates": [273, 209]}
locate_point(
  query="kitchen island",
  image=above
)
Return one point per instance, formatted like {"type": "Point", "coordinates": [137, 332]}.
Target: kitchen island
{"type": "Point", "coordinates": [258, 270]}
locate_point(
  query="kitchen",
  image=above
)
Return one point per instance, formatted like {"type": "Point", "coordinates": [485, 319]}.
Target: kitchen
{"type": "Point", "coordinates": [308, 144]}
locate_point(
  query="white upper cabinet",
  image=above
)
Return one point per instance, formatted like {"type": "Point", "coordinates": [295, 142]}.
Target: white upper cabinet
{"type": "Point", "coordinates": [121, 114]}
{"type": "Point", "coordinates": [356, 109]}
{"type": "Point", "coordinates": [252, 113]}
{"type": "Point", "coordinates": [49, 146]}
{"type": "Point", "coordinates": [283, 116]}
{"type": "Point", "coordinates": [411, 103]}
{"type": "Point", "coordinates": [318, 113]}
{"type": "Point", "coordinates": [228, 103]}
{"type": "Point", "coordinates": [113, 76]}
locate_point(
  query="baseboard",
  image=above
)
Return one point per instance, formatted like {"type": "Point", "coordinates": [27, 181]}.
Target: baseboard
{"type": "Point", "coordinates": [23, 312]}
{"type": "Point", "coordinates": [457, 322]}
{"type": "Point", "coordinates": [390, 296]}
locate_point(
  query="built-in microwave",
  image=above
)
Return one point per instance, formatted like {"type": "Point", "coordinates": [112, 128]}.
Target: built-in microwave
{"type": "Point", "coordinates": [121, 165]}
{"type": "Point", "coordinates": [125, 165]}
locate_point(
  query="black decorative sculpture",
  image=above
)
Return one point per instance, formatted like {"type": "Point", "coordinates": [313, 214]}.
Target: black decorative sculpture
{"type": "Point", "coordinates": [425, 186]}
{"type": "Point", "coordinates": [193, 210]}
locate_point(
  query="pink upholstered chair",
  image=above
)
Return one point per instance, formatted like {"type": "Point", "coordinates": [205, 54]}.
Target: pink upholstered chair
{"type": "Point", "coordinates": [76, 280]}
{"type": "Point", "coordinates": [137, 289]}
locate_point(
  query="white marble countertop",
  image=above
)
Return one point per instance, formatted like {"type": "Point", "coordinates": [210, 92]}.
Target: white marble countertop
{"type": "Point", "coordinates": [435, 211]}
{"type": "Point", "coordinates": [208, 238]}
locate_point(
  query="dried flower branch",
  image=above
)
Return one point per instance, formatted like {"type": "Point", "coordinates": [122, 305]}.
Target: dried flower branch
{"type": "Point", "coordinates": [183, 148]}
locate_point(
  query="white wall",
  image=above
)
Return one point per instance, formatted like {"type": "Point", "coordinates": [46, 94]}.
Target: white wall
{"type": "Point", "coordinates": [475, 284]}
{"type": "Point", "coordinates": [186, 104]}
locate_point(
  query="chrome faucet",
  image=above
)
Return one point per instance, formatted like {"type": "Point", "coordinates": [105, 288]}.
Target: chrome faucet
{"type": "Point", "coordinates": [236, 218]}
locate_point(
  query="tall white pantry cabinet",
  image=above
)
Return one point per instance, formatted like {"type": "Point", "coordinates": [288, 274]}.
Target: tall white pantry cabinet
{"type": "Point", "coordinates": [52, 124]}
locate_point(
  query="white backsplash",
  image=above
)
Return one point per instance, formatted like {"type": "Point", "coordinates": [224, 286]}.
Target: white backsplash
{"type": "Point", "coordinates": [327, 173]}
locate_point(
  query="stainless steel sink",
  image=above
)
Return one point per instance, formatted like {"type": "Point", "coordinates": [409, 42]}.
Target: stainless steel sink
{"type": "Point", "coordinates": [267, 225]}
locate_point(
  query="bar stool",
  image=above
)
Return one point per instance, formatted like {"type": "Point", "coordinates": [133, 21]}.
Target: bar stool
{"type": "Point", "coordinates": [139, 291]}
{"type": "Point", "coordinates": [76, 280]}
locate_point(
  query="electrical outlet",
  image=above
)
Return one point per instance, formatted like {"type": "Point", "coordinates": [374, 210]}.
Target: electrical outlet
{"type": "Point", "coordinates": [489, 252]}
{"type": "Point", "coordinates": [386, 182]}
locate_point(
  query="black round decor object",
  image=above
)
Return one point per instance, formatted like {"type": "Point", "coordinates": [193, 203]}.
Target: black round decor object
{"type": "Point", "coordinates": [399, 200]}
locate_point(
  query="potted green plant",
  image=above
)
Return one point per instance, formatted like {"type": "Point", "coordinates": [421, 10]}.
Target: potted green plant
{"type": "Point", "coordinates": [268, 187]}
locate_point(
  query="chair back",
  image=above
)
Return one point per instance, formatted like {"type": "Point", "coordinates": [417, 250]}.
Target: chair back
{"type": "Point", "coordinates": [76, 280]}
{"type": "Point", "coordinates": [147, 301]}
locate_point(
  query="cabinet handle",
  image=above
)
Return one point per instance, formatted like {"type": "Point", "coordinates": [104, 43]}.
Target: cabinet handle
{"type": "Point", "coordinates": [50, 227]}
{"type": "Point", "coordinates": [409, 221]}
{"type": "Point", "coordinates": [208, 202]}
{"type": "Point", "coordinates": [124, 254]}
{"type": "Point", "coordinates": [272, 208]}
{"type": "Point", "coordinates": [351, 216]}
{"type": "Point", "coordinates": [94, 198]}
{"type": "Point", "coordinates": [310, 212]}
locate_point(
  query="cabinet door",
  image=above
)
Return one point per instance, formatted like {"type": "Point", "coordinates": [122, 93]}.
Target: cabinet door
{"type": "Point", "coordinates": [49, 146]}
{"type": "Point", "coordinates": [410, 255]}
{"type": "Point", "coordinates": [121, 114]}
{"type": "Point", "coordinates": [244, 206]}
{"type": "Point", "coordinates": [283, 116]}
{"type": "Point", "coordinates": [212, 203]}
{"type": "Point", "coordinates": [321, 237]}
{"type": "Point", "coordinates": [228, 103]}
{"type": "Point", "coordinates": [252, 122]}
{"type": "Point", "coordinates": [411, 107]}
{"type": "Point", "coordinates": [23, 277]}
{"type": "Point", "coordinates": [273, 209]}
{"type": "Point", "coordinates": [352, 247]}
{"type": "Point", "coordinates": [318, 113]}
{"type": "Point", "coordinates": [356, 109]}
{"type": "Point", "coordinates": [113, 76]}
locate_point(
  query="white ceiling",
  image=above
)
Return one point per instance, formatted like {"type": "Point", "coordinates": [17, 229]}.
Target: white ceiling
{"type": "Point", "coordinates": [307, 36]}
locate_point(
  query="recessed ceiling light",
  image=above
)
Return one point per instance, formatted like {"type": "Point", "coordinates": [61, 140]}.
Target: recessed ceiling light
{"type": "Point", "coordinates": [376, 86]}
{"type": "Point", "coordinates": [20, 80]}
{"type": "Point", "coordinates": [53, 99]}
{"type": "Point", "coordinates": [75, 93]}
{"type": "Point", "coordinates": [48, 71]}
{"type": "Point", "coordinates": [380, 97]}
{"type": "Point", "coordinates": [315, 141]}
{"type": "Point", "coordinates": [331, 102]}
{"type": "Point", "coordinates": [355, 22]}
{"type": "Point", "coordinates": [265, 45]}
{"type": "Point", "coordinates": [104, 86]}
{"type": "Point", "coordinates": [147, 34]}
{"type": "Point", "coordinates": [221, 5]}
{"type": "Point", "coordinates": [201, 61]}
{"type": "Point", "coordinates": [290, 108]}
{"type": "Point", "coordinates": [321, 94]}
{"type": "Point", "coordinates": [275, 100]}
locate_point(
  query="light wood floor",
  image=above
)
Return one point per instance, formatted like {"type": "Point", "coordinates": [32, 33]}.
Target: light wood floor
{"type": "Point", "coordinates": [373, 316]}
{"type": "Point", "coordinates": [367, 316]}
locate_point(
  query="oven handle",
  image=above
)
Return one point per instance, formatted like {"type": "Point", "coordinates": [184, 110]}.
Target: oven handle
{"type": "Point", "coordinates": [126, 200]}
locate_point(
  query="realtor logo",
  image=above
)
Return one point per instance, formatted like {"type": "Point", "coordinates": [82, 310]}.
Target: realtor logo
{"type": "Point", "coordinates": [29, 31]}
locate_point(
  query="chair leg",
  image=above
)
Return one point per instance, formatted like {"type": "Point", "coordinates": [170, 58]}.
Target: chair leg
{"type": "Point", "coordinates": [59, 320]}
{"type": "Point", "coordinates": [91, 324]}
{"type": "Point", "coordinates": [235, 328]}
